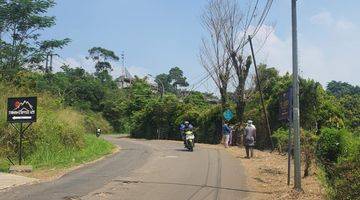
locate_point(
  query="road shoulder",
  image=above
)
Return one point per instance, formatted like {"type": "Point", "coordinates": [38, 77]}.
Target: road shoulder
{"type": "Point", "coordinates": [267, 172]}
{"type": "Point", "coordinates": [12, 180]}
{"type": "Point", "coordinates": [9, 181]}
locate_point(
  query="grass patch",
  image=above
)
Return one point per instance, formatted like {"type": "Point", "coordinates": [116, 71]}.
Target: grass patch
{"type": "Point", "coordinates": [4, 165]}
{"type": "Point", "coordinates": [93, 149]}
{"type": "Point", "coordinates": [47, 157]}
{"type": "Point", "coordinates": [321, 176]}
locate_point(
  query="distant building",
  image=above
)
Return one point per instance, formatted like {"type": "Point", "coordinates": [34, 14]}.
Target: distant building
{"type": "Point", "coordinates": [125, 79]}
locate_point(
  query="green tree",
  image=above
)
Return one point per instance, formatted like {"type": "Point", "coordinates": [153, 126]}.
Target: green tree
{"type": "Point", "coordinates": [115, 110]}
{"type": "Point", "coordinates": [47, 50]}
{"type": "Point", "coordinates": [21, 22]}
{"type": "Point", "coordinates": [102, 58]}
{"type": "Point", "coordinates": [339, 88]}
{"type": "Point", "coordinates": [177, 78]}
{"type": "Point", "coordinates": [351, 109]}
{"type": "Point", "coordinates": [172, 80]}
{"type": "Point", "coordinates": [196, 99]}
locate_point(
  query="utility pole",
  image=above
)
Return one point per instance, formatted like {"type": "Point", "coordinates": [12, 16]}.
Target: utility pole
{"type": "Point", "coordinates": [261, 94]}
{"type": "Point", "coordinates": [122, 73]}
{"type": "Point", "coordinates": [296, 110]}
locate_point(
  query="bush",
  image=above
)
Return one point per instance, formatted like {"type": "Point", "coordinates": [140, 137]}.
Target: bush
{"type": "Point", "coordinates": [161, 118]}
{"type": "Point", "coordinates": [346, 184]}
{"type": "Point", "coordinates": [280, 139]}
{"type": "Point", "coordinates": [339, 153]}
{"type": "Point", "coordinates": [332, 143]}
{"type": "Point", "coordinates": [92, 121]}
{"type": "Point", "coordinates": [210, 125]}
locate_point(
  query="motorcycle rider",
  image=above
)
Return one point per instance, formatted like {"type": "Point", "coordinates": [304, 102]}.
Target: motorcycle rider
{"type": "Point", "coordinates": [186, 126]}
{"type": "Point", "coordinates": [98, 132]}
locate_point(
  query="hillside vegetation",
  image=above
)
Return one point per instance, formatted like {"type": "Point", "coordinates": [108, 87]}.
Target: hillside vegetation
{"type": "Point", "coordinates": [61, 136]}
{"type": "Point", "coordinates": [74, 102]}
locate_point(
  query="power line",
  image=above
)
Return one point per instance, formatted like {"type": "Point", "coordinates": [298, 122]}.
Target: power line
{"type": "Point", "coordinates": [263, 17]}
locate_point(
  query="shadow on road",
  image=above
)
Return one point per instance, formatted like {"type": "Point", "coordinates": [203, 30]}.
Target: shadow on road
{"type": "Point", "coordinates": [183, 150]}
{"type": "Point", "coordinates": [187, 184]}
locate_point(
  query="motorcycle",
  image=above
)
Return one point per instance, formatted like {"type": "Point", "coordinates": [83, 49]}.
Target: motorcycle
{"type": "Point", "coordinates": [189, 140]}
{"type": "Point", "coordinates": [98, 132]}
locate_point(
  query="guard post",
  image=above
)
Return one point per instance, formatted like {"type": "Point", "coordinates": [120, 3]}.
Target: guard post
{"type": "Point", "coordinates": [21, 110]}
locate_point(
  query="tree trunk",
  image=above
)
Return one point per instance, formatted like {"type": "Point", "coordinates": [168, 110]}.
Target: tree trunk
{"type": "Point", "coordinates": [242, 71]}
{"type": "Point", "coordinates": [223, 107]}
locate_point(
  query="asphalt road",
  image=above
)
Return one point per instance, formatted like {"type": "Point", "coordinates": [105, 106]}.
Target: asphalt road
{"type": "Point", "coordinates": [151, 170]}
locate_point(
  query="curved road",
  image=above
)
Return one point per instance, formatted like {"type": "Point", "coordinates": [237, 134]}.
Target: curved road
{"type": "Point", "coordinates": [147, 170]}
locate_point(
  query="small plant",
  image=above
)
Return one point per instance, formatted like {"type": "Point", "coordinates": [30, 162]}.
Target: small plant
{"type": "Point", "coordinates": [280, 138]}
{"type": "Point", "coordinates": [308, 142]}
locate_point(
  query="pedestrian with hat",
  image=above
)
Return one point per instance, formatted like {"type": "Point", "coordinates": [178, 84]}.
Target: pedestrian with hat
{"type": "Point", "coordinates": [249, 139]}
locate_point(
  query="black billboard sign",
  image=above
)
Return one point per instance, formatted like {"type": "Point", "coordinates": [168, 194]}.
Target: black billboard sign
{"type": "Point", "coordinates": [285, 110]}
{"type": "Point", "coordinates": [21, 109]}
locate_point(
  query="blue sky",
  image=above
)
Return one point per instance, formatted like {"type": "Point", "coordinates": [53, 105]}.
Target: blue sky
{"type": "Point", "coordinates": [159, 34]}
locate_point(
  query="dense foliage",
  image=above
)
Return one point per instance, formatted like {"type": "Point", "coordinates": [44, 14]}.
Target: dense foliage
{"type": "Point", "coordinates": [58, 130]}
{"type": "Point", "coordinates": [338, 151]}
{"type": "Point", "coordinates": [73, 102]}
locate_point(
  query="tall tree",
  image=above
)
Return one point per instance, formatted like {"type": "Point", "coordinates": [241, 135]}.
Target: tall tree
{"type": "Point", "coordinates": [177, 77]}
{"type": "Point", "coordinates": [213, 55]}
{"type": "Point", "coordinates": [20, 26]}
{"type": "Point", "coordinates": [102, 58]}
{"type": "Point", "coordinates": [47, 51]}
{"type": "Point", "coordinates": [172, 80]}
{"type": "Point", "coordinates": [239, 21]}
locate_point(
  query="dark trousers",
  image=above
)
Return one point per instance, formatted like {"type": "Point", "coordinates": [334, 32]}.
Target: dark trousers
{"type": "Point", "coordinates": [251, 149]}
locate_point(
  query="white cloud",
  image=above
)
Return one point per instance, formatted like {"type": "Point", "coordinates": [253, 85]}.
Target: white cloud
{"type": "Point", "coordinates": [325, 18]}
{"type": "Point", "coordinates": [275, 52]}
{"type": "Point", "coordinates": [322, 18]}
{"type": "Point", "coordinates": [327, 60]}
{"type": "Point", "coordinates": [79, 61]}
{"type": "Point", "coordinates": [345, 25]}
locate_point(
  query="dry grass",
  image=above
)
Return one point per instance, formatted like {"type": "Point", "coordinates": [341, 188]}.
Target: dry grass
{"type": "Point", "coordinates": [267, 172]}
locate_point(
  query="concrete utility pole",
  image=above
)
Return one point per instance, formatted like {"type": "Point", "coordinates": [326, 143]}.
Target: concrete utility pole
{"type": "Point", "coordinates": [296, 110]}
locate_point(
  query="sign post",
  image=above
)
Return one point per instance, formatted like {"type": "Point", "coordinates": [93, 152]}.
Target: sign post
{"type": "Point", "coordinates": [21, 110]}
{"type": "Point", "coordinates": [286, 115]}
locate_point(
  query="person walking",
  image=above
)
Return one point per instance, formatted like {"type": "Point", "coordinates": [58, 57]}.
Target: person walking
{"type": "Point", "coordinates": [231, 135]}
{"type": "Point", "coordinates": [226, 134]}
{"type": "Point", "coordinates": [249, 138]}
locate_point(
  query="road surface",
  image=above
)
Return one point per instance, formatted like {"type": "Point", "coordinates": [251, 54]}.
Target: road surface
{"type": "Point", "coordinates": [149, 170]}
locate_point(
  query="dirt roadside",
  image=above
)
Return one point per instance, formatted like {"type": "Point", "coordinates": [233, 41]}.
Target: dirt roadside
{"type": "Point", "coordinates": [267, 172]}
{"type": "Point", "coordinates": [12, 180]}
